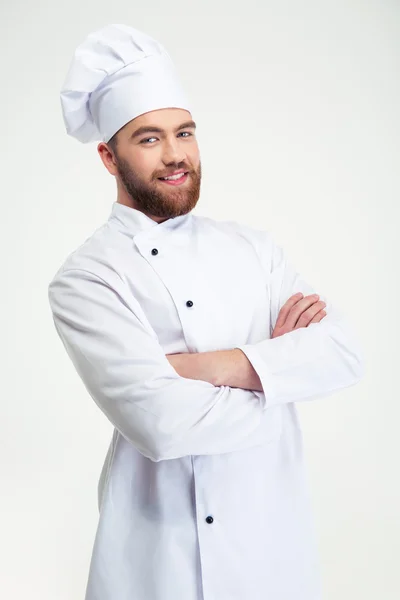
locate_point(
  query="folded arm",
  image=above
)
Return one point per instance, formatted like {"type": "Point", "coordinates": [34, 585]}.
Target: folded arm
{"type": "Point", "coordinates": [303, 364]}
{"type": "Point", "coordinates": [221, 367]}
{"type": "Point", "coordinates": [125, 370]}
{"type": "Point", "coordinates": [308, 362]}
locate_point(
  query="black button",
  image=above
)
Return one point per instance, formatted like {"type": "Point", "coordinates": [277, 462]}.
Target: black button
{"type": "Point", "coordinates": [154, 251]}
{"type": "Point", "coordinates": [209, 520]}
{"type": "Point", "coordinates": [189, 303]}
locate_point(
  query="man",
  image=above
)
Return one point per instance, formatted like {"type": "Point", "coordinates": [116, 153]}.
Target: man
{"type": "Point", "coordinates": [196, 338]}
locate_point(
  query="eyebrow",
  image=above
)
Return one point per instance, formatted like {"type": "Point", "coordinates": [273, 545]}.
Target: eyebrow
{"type": "Point", "coordinates": [152, 129]}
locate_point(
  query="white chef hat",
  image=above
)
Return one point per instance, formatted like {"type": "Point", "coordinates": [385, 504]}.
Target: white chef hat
{"type": "Point", "coordinates": [117, 74]}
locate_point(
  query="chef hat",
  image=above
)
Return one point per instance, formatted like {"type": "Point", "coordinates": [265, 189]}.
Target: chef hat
{"type": "Point", "coordinates": [117, 74]}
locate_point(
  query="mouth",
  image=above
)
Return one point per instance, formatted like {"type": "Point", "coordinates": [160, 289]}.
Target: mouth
{"type": "Point", "coordinates": [178, 179]}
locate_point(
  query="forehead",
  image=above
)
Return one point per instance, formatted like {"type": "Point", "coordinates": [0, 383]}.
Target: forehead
{"type": "Point", "coordinates": [163, 118]}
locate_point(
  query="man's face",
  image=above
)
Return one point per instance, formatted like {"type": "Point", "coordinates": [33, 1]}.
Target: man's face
{"type": "Point", "coordinates": [155, 145]}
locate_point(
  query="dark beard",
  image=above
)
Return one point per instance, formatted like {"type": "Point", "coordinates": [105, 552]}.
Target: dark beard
{"type": "Point", "coordinates": [149, 199]}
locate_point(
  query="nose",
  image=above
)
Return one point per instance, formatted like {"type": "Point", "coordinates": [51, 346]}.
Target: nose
{"type": "Point", "coordinates": [173, 152]}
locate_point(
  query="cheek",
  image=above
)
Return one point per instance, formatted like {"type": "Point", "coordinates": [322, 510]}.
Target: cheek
{"type": "Point", "coordinates": [145, 164]}
{"type": "Point", "coordinates": [193, 155]}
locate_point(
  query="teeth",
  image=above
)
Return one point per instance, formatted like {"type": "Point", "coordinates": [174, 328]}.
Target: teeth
{"type": "Point", "coordinates": [178, 176]}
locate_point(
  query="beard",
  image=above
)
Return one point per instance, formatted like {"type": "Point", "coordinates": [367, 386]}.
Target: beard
{"type": "Point", "coordinates": [151, 199]}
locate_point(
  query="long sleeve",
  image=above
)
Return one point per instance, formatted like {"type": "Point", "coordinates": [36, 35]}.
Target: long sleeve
{"type": "Point", "coordinates": [125, 370]}
{"type": "Point", "coordinates": [309, 362]}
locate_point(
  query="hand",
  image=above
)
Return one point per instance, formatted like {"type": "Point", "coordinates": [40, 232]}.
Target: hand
{"type": "Point", "coordinates": [299, 312]}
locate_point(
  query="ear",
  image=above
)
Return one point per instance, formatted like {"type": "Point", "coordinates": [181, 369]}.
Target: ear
{"type": "Point", "coordinates": [107, 156]}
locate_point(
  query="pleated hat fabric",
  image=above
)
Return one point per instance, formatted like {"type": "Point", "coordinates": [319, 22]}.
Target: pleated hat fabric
{"type": "Point", "coordinates": [117, 73]}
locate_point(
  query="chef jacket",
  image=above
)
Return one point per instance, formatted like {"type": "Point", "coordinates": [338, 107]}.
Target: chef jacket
{"type": "Point", "coordinates": [203, 494]}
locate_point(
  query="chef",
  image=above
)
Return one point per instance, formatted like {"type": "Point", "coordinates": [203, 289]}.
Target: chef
{"type": "Point", "coordinates": [196, 338]}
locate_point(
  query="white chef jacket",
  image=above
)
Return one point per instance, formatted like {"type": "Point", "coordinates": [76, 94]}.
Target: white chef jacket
{"type": "Point", "coordinates": [203, 494]}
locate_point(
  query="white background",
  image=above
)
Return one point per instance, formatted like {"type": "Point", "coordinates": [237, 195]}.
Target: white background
{"type": "Point", "coordinates": [297, 111]}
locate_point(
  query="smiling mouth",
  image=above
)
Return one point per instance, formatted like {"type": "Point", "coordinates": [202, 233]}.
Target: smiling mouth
{"type": "Point", "coordinates": [175, 179]}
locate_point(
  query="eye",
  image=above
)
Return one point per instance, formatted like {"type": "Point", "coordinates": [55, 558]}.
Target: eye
{"type": "Point", "coordinates": [145, 140]}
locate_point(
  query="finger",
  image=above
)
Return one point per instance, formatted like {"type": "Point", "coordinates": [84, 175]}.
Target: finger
{"type": "Point", "coordinates": [307, 317]}
{"type": "Point", "coordinates": [299, 308]}
{"type": "Point", "coordinates": [318, 317]}
{"type": "Point", "coordinates": [286, 308]}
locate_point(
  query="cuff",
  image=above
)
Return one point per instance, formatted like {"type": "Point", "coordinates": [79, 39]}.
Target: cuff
{"type": "Point", "coordinates": [267, 396]}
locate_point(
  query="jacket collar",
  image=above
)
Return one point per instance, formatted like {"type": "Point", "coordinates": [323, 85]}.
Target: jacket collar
{"type": "Point", "coordinates": [136, 221]}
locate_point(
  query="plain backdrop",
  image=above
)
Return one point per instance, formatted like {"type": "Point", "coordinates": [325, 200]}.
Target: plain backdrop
{"type": "Point", "coordinates": [297, 107]}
